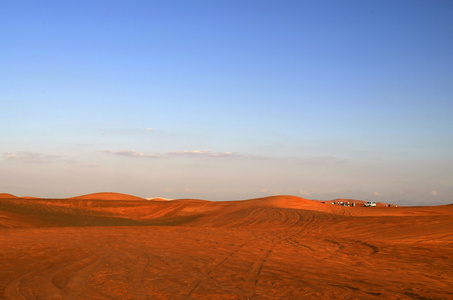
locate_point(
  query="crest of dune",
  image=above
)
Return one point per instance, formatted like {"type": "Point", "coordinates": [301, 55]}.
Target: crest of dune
{"type": "Point", "coordinates": [7, 196]}
{"type": "Point", "coordinates": [107, 196]}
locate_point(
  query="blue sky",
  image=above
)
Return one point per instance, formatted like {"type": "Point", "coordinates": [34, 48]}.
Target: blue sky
{"type": "Point", "coordinates": [227, 100]}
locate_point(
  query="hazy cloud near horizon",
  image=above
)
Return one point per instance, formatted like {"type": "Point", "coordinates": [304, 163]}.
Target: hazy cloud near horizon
{"type": "Point", "coordinates": [31, 157]}
{"type": "Point", "coordinates": [326, 160]}
{"type": "Point", "coordinates": [132, 153]}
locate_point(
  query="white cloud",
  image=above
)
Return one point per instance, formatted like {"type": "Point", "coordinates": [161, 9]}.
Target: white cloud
{"type": "Point", "coordinates": [132, 153]}
{"type": "Point", "coordinates": [194, 153]}
{"type": "Point", "coordinates": [227, 154]}
{"type": "Point", "coordinates": [434, 193]}
{"type": "Point", "coordinates": [304, 193]}
{"type": "Point", "coordinates": [30, 157]}
{"type": "Point", "coordinates": [377, 194]}
{"type": "Point", "coordinates": [42, 158]}
{"type": "Point", "coordinates": [200, 153]}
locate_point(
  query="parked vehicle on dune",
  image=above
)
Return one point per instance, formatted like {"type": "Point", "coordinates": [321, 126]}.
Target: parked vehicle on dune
{"type": "Point", "coordinates": [369, 204]}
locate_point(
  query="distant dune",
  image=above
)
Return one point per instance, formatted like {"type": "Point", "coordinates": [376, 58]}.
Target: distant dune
{"type": "Point", "coordinates": [7, 196]}
{"type": "Point", "coordinates": [107, 196]}
{"type": "Point", "coordinates": [94, 210]}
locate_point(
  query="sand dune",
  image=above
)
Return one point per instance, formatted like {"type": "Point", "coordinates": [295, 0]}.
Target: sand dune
{"type": "Point", "coordinates": [6, 196]}
{"type": "Point", "coordinates": [159, 199]}
{"type": "Point", "coordinates": [280, 247]}
{"type": "Point", "coordinates": [107, 196]}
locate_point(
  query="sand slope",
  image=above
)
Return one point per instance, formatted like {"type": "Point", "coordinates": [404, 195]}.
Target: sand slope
{"type": "Point", "coordinates": [6, 196]}
{"type": "Point", "coordinates": [281, 247]}
{"type": "Point", "coordinates": [107, 196]}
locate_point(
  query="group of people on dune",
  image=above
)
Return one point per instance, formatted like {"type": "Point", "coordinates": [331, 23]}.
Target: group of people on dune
{"type": "Point", "coordinates": [342, 203]}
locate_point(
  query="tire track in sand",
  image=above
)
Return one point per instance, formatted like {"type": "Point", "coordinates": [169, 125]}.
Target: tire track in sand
{"type": "Point", "coordinates": [44, 269]}
{"type": "Point", "coordinates": [301, 222]}
{"type": "Point", "coordinates": [76, 283]}
{"type": "Point", "coordinates": [214, 266]}
{"type": "Point", "coordinates": [137, 273]}
{"type": "Point", "coordinates": [258, 266]}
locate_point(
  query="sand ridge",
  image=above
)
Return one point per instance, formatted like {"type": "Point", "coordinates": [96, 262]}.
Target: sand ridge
{"type": "Point", "coordinates": [7, 196]}
{"type": "Point", "coordinates": [93, 209]}
{"type": "Point", "coordinates": [107, 196]}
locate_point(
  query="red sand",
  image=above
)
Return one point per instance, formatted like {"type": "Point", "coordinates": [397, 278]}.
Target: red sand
{"type": "Point", "coordinates": [107, 196]}
{"type": "Point", "coordinates": [284, 247]}
{"type": "Point", "coordinates": [6, 196]}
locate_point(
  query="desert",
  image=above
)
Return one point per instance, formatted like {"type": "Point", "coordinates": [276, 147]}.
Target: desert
{"type": "Point", "coordinates": [253, 149]}
{"type": "Point", "coordinates": [118, 246]}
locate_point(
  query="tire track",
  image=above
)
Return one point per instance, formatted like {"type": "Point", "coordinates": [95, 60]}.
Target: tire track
{"type": "Point", "coordinates": [298, 244]}
{"type": "Point", "coordinates": [45, 270]}
{"type": "Point", "coordinates": [76, 283]}
{"type": "Point", "coordinates": [259, 264]}
{"type": "Point", "coordinates": [137, 275]}
{"type": "Point", "coordinates": [214, 266]}
{"type": "Point", "coordinates": [374, 249]}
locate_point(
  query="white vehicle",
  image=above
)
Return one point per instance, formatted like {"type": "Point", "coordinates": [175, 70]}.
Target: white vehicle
{"type": "Point", "coordinates": [369, 204]}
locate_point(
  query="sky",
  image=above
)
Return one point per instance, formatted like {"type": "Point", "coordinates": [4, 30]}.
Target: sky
{"type": "Point", "coordinates": [228, 100]}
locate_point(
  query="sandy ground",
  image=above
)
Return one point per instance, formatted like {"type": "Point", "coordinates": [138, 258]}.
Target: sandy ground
{"type": "Point", "coordinates": [272, 248]}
